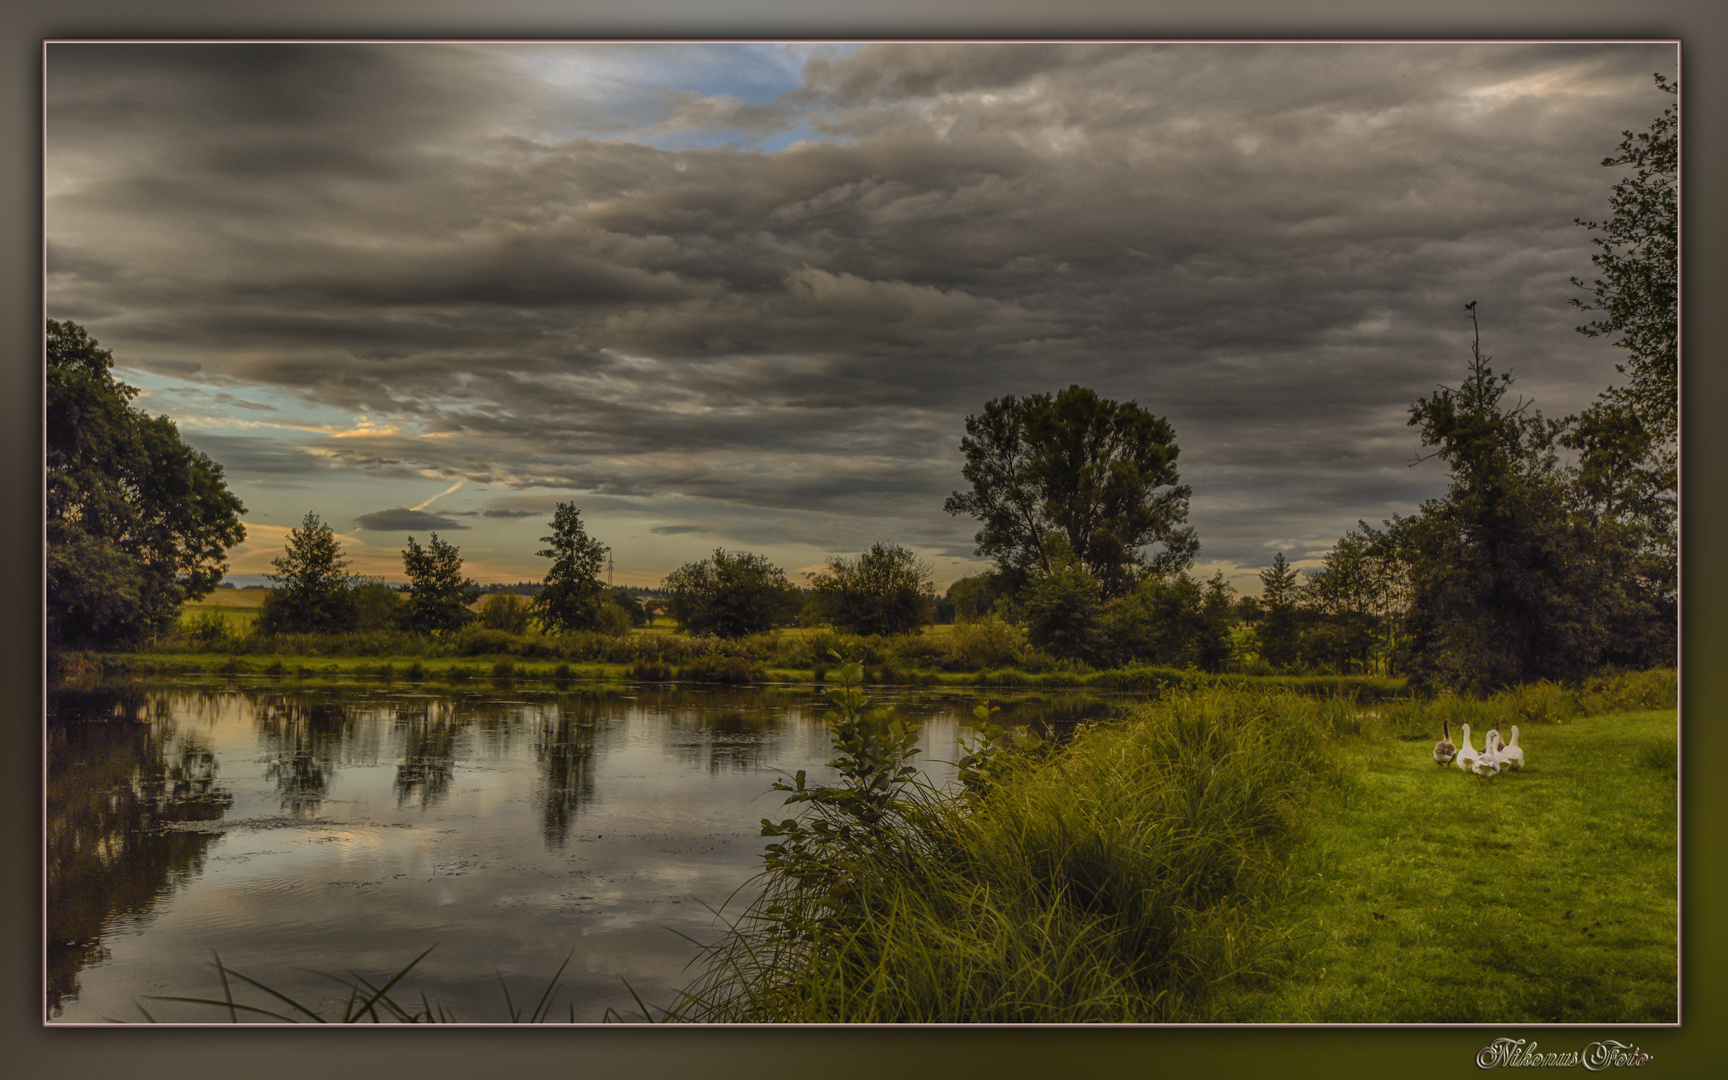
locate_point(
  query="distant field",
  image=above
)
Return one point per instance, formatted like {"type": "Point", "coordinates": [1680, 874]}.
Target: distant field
{"type": "Point", "coordinates": [231, 598]}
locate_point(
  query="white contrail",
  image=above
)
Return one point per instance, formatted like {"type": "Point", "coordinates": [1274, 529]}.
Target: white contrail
{"type": "Point", "coordinates": [440, 495]}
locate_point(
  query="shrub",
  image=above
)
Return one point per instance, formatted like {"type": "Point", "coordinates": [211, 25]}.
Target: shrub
{"type": "Point", "coordinates": [1617, 691]}
{"type": "Point", "coordinates": [1541, 702]}
{"type": "Point", "coordinates": [483, 641]}
{"type": "Point", "coordinates": [507, 612]}
{"type": "Point", "coordinates": [718, 665]}
{"type": "Point", "coordinates": [986, 642]}
{"type": "Point", "coordinates": [209, 631]}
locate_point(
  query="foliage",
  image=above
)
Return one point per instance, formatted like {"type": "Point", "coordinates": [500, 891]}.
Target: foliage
{"type": "Point", "coordinates": [1279, 632]}
{"type": "Point", "coordinates": [1171, 621]}
{"type": "Point", "coordinates": [1627, 442]}
{"type": "Point", "coordinates": [1062, 606]}
{"type": "Point", "coordinates": [974, 595]}
{"type": "Point", "coordinates": [313, 589]}
{"type": "Point", "coordinates": [1354, 602]}
{"type": "Point", "coordinates": [506, 611]}
{"type": "Point", "coordinates": [137, 522]}
{"type": "Point", "coordinates": [988, 642]}
{"type": "Point", "coordinates": [438, 594]}
{"type": "Point", "coordinates": [634, 610]}
{"type": "Point", "coordinates": [1509, 580]}
{"type": "Point", "coordinates": [1638, 294]}
{"type": "Point", "coordinates": [573, 599]}
{"type": "Point", "coordinates": [376, 606]}
{"type": "Point", "coordinates": [1125, 877]}
{"type": "Point", "coordinates": [731, 595]}
{"type": "Point", "coordinates": [209, 631]}
{"type": "Point", "coordinates": [1099, 475]}
{"type": "Point", "coordinates": [994, 751]}
{"type": "Point", "coordinates": [883, 591]}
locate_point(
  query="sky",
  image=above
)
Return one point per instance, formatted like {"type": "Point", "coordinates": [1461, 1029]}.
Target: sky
{"type": "Point", "coordinates": [745, 295]}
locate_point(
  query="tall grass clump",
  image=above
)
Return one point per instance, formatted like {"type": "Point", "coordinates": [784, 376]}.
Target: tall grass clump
{"type": "Point", "coordinates": [1122, 877]}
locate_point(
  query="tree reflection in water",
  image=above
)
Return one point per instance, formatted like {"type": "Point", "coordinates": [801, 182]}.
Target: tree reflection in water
{"type": "Point", "coordinates": [720, 733]}
{"type": "Point", "coordinates": [120, 776]}
{"type": "Point", "coordinates": [304, 737]}
{"type": "Point", "coordinates": [428, 754]}
{"type": "Point", "coordinates": [564, 747]}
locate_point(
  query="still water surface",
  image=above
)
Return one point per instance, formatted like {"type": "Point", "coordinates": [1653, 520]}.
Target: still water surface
{"type": "Point", "coordinates": [344, 830]}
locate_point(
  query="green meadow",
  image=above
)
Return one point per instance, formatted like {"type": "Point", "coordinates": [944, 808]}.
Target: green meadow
{"type": "Point", "coordinates": [1547, 895]}
{"type": "Point", "coordinates": [1246, 855]}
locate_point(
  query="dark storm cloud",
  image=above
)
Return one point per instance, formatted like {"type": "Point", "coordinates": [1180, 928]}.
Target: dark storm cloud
{"type": "Point", "coordinates": [401, 519]}
{"type": "Point", "coordinates": [1268, 244]}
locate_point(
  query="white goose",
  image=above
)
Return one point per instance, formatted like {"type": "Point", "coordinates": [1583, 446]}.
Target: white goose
{"type": "Point", "coordinates": [1445, 750]}
{"type": "Point", "coordinates": [1488, 762]}
{"type": "Point", "coordinates": [1466, 758]}
{"type": "Point", "coordinates": [1511, 754]}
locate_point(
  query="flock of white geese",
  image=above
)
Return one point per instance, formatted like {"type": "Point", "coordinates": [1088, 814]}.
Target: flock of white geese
{"type": "Point", "coordinates": [1496, 756]}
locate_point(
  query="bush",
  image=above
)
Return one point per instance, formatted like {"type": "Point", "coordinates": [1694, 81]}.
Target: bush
{"type": "Point", "coordinates": [507, 612]}
{"type": "Point", "coordinates": [719, 665]}
{"type": "Point", "coordinates": [209, 631]}
{"type": "Point", "coordinates": [986, 642]}
{"type": "Point", "coordinates": [1619, 691]}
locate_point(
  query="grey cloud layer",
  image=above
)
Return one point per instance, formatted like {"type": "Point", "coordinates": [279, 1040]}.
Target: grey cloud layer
{"type": "Point", "coordinates": [1269, 244]}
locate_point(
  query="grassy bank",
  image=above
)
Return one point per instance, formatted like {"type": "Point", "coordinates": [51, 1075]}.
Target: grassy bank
{"type": "Point", "coordinates": [1241, 855]}
{"type": "Point", "coordinates": [719, 666]}
{"type": "Point", "coordinates": [1546, 895]}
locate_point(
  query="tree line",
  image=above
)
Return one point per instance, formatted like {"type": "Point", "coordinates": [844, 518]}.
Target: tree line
{"type": "Point", "coordinates": [1553, 550]}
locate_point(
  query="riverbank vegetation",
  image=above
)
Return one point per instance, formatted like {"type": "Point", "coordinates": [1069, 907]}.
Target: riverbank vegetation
{"type": "Point", "coordinates": [1225, 855]}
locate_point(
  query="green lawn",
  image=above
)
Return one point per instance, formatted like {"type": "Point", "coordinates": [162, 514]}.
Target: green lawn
{"type": "Point", "coordinates": [1548, 895]}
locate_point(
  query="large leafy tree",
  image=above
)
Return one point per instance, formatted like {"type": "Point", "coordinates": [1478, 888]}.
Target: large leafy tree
{"type": "Point", "coordinates": [574, 597]}
{"type": "Point", "coordinates": [886, 590]}
{"type": "Point", "coordinates": [1627, 442]}
{"type": "Point", "coordinates": [438, 594]}
{"type": "Point", "coordinates": [1637, 296]}
{"type": "Point", "coordinates": [137, 521]}
{"type": "Point", "coordinates": [1509, 579]}
{"type": "Point", "coordinates": [314, 592]}
{"type": "Point", "coordinates": [731, 595]}
{"type": "Point", "coordinates": [1096, 475]}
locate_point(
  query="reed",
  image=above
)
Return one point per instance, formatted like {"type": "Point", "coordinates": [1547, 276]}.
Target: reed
{"type": "Point", "coordinates": [1122, 878]}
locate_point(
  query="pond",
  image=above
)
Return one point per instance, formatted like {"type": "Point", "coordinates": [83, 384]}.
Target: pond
{"type": "Point", "coordinates": [304, 833]}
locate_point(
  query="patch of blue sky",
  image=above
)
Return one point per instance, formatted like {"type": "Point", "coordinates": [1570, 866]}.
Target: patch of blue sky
{"type": "Point", "coordinates": [754, 72]}
{"type": "Point", "coordinates": [207, 407]}
{"type": "Point", "coordinates": [624, 90]}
